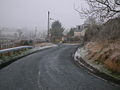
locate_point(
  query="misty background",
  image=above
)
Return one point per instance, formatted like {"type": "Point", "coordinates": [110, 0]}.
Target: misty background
{"type": "Point", "coordinates": [29, 14]}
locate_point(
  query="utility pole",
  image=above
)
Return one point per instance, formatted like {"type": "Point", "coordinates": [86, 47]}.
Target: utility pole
{"type": "Point", "coordinates": [0, 32]}
{"type": "Point", "coordinates": [35, 34]}
{"type": "Point", "coordinates": [48, 36]}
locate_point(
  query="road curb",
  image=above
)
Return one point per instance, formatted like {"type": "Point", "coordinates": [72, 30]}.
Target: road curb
{"type": "Point", "coordinates": [79, 61]}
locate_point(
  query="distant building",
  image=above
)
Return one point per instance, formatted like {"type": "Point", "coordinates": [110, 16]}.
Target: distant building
{"type": "Point", "coordinates": [64, 38]}
{"type": "Point", "coordinates": [80, 30]}
{"type": "Point", "coordinates": [77, 34]}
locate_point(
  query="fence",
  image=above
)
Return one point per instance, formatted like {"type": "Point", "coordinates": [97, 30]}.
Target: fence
{"type": "Point", "coordinates": [7, 45]}
{"type": "Point", "coordinates": [14, 44]}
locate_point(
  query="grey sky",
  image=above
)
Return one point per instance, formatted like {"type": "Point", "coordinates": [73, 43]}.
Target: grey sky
{"type": "Point", "coordinates": [31, 13]}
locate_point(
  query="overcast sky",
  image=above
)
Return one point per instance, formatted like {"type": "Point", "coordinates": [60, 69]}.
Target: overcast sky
{"type": "Point", "coordinates": [31, 13]}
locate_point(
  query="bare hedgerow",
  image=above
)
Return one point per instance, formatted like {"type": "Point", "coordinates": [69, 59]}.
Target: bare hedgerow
{"type": "Point", "coordinates": [92, 33]}
{"type": "Point", "coordinates": [108, 31]}
{"type": "Point", "coordinates": [111, 30]}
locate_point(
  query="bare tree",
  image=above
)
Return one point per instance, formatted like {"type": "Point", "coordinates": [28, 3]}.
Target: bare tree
{"type": "Point", "coordinates": [101, 9]}
{"type": "Point", "coordinates": [90, 21]}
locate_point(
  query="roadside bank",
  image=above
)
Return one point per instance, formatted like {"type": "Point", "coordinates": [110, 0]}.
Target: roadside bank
{"type": "Point", "coordinates": [6, 60]}
{"type": "Point", "coordinates": [94, 67]}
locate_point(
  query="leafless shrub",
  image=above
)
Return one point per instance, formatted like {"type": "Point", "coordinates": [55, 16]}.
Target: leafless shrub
{"type": "Point", "coordinates": [111, 30]}
{"type": "Point", "coordinates": [92, 32]}
{"type": "Point", "coordinates": [108, 31]}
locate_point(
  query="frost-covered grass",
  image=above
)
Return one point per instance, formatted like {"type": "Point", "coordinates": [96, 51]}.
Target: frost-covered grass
{"type": "Point", "coordinates": [20, 54]}
{"type": "Point", "coordinates": [82, 53]}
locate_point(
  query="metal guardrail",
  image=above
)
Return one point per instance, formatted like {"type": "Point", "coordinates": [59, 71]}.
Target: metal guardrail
{"type": "Point", "coordinates": [15, 49]}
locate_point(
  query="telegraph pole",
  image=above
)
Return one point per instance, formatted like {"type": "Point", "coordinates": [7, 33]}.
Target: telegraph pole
{"type": "Point", "coordinates": [48, 35]}
{"type": "Point", "coordinates": [35, 36]}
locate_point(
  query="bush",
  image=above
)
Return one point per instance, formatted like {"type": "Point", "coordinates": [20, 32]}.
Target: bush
{"type": "Point", "coordinates": [111, 30]}
{"type": "Point", "coordinates": [108, 31]}
{"type": "Point", "coordinates": [92, 32]}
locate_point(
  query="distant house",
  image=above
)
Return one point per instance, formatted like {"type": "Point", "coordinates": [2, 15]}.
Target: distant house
{"type": "Point", "coordinates": [80, 30]}
{"type": "Point", "coordinates": [77, 34]}
{"type": "Point", "coordinates": [64, 38]}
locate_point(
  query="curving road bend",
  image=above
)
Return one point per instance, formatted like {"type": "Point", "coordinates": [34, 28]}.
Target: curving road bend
{"type": "Point", "coordinates": [50, 69]}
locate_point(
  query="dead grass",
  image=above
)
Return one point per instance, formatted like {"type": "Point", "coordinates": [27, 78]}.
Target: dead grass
{"type": "Point", "coordinates": [105, 52]}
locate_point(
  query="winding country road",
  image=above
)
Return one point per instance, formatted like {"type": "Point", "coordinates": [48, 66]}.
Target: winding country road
{"type": "Point", "coordinates": [50, 69]}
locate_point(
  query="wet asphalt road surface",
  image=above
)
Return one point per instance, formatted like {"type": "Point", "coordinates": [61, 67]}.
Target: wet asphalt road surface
{"type": "Point", "coordinates": [50, 69]}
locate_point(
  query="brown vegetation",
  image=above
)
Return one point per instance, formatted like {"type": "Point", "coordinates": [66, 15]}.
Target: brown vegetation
{"type": "Point", "coordinates": [108, 31]}
{"type": "Point", "coordinates": [105, 53]}
{"type": "Point", "coordinates": [103, 44]}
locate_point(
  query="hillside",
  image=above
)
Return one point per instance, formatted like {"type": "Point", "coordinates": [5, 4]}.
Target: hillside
{"type": "Point", "coordinates": [103, 45]}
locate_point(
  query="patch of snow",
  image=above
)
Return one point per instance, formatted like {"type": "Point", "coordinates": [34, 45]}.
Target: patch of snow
{"type": "Point", "coordinates": [77, 54]}
{"type": "Point", "coordinates": [41, 48]}
{"type": "Point", "coordinates": [81, 53]}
